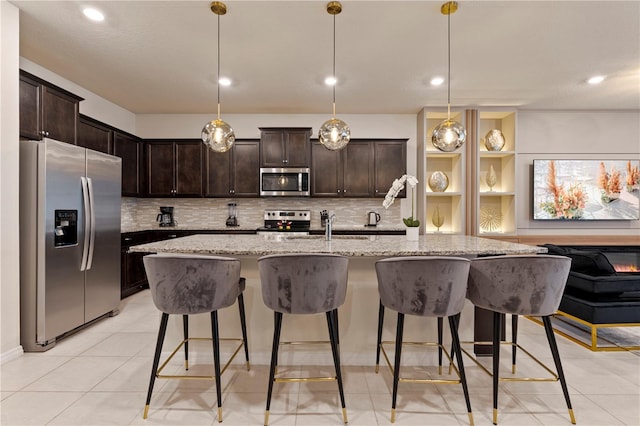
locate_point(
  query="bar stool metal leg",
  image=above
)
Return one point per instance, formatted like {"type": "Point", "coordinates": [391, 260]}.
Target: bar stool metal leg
{"type": "Point", "coordinates": [156, 360]}
{"type": "Point", "coordinates": [185, 331]}
{"type": "Point", "coordinates": [497, 326]}
{"type": "Point", "coordinates": [454, 325]}
{"type": "Point", "coordinates": [548, 328]}
{"type": "Point", "coordinates": [396, 366]}
{"type": "Point", "coordinates": [333, 337]}
{"type": "Point", "coordinates": [440, 325]}
{"type": "Point", "coordinates": [274, 359]}
{"type": "Point", "coordinates": [216, 360]}
{"type": "Point", "coordinates": [380, 324]}
{"type": "Point", "coordinates": [243, 325]}
{"type": "Point", "coordinates": [514, 340]}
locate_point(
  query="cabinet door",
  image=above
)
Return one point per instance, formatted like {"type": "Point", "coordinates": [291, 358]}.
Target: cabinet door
{"type": "Point", "coordinates": [93, 135]}
{"type": "Point", "coordinates": [30, 108]}
{"type": "Point", "coordinates": [326, 179]}
{"type": "Point", "coordinates": [272, 148]}
{"type": "Point", "coordinates": [129, 149]}
{"type": "Point", "coordinates": [390, 162]}
{"type": "Point", "coordinates": [358, 169]}
{"type": "Point", "coordinates": [218, 173]}
{"type": "Point", "coordinates": [188, 168]}
{"type": "Point", "coordinates": [160, 168]}
{"type": "Point", "coordinates": [298, 147]}
{"type": "Point", "coordinates": [59, 115]}
{"type": "Point", "coordinates": [245, 169]}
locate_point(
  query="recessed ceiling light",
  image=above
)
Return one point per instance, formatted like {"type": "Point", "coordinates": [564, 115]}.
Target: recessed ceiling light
{"type": "Point", "coordinates": [330, 81]}
{"type": "Point", "coordinates": [597, 79]}
{"type": "Point", "coordinates": [224, 81]}
{"type": "Point", "coordinates": [437, 81]}
{"type": "Point", "coordinates": [93, 14]}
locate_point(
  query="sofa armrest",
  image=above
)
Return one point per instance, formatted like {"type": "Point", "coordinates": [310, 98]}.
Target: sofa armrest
{"type": "Point", "coordinates": [603, 284]}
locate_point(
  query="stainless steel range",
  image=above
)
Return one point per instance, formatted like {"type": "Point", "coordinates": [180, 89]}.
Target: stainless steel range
{"type": "Point", "coordinates": [286, 221]}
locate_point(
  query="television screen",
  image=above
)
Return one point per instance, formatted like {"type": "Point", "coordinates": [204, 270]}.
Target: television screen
{"type": "Point", "coordinates": [586, 189]}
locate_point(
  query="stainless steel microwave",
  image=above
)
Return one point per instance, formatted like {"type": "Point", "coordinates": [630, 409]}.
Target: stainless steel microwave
{"type": "Point", "coordinates": [284, 182]}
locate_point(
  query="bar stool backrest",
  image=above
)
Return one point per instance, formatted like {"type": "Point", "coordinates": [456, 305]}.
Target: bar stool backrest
{"type": "Point", "coordinates": [423, 285]}
{"type": "Point", "coordinates": [185, 285]}
{"type": "Point", "coordinates": [522, 285]}
{"type": "Point", "coordinates": [303, 283]}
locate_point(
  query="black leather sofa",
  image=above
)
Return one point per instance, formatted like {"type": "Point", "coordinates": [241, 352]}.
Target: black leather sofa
{"type": "Point", "coordinates": [595, 292]}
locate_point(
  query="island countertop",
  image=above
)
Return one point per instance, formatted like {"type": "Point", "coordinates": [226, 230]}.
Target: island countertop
{"type": "Point", "coordinates": [347, 245]}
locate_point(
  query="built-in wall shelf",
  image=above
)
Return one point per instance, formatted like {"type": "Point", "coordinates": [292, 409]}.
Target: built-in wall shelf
{"type": "Point", "coordinates": [450, 203]}
{"type": "Point", "coordinates": [495, 179]}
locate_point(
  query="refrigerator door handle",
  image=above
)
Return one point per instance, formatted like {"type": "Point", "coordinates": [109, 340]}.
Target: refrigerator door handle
{"type": "Point", "coordinates": [87, 224]}
{"type": "Point", "coordinates": [92, 216]}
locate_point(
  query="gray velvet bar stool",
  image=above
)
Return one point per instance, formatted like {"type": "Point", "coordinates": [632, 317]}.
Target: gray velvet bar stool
{"type": "Point", "coordinates": [188, 285]}
{"type": "Point", "coordinates": [520, 285]}
{"type": "Point", "coordinates": [424, 286]}
{"type": "Point", "coordinates": [304, 284]}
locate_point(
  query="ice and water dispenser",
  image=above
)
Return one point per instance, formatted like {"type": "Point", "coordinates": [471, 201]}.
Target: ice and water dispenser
{"type": "Point", "coordinates": [66, 228]}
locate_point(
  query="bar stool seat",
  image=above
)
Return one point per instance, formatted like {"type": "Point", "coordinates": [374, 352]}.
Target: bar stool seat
{"type": "Point", "coordinates": [188, 285]}
{"type": "Point", "coordinates": [424, 286]}
{"type": "Point", "coordinates": [529, 285]}
{"type": "Point", "coordinates": [304, 284]}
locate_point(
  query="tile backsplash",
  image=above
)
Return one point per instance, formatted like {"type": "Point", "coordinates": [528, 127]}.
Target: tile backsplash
{"type": "Point", "coordinates": [212, 212]}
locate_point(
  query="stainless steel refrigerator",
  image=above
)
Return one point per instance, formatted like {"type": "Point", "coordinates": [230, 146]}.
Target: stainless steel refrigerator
{"type": "Point", "coordinates": [69, 239]}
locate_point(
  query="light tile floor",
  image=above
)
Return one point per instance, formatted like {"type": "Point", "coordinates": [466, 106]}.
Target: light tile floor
{"type": "Point", "coordinates": [99, 376]}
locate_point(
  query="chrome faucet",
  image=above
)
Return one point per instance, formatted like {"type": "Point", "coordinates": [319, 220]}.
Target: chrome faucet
{"type": "Point", "coordinates": [327, 227]}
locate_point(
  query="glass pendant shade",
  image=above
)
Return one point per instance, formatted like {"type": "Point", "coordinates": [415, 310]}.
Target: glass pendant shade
{"type": "Point", "coordinates": [448, 136]}
{"type": "Point", "coordinates": [218, 136]}
{"type": "Point", "coordinates": [334, 134]}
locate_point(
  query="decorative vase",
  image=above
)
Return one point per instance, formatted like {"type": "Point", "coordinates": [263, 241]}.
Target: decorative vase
{"type": "Point", "coordinates": [438, 181]}
{"type": "Point", "coordinates": [412, 233]}
{"type": "Point", "coordinates": [491, 178]}
{"type": "Point", "coordinates": [494, 140]}
{"type": "Point", "coordinates": [437, 219]}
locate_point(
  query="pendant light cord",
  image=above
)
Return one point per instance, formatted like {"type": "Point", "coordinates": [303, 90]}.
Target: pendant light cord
{"type": "Point", "coordinates": [335, 79]}
{"type": "Point", "coordinates": [449, 65]}
{"type": "Point", "coordinates": [218, 76]}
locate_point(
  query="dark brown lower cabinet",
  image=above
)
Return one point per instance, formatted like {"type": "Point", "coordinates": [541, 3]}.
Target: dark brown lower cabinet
{"type": "Point", "coordinates": [132, 275]}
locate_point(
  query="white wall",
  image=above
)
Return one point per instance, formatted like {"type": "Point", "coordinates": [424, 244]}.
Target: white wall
{"type": "Point", "coordinates": [9, 131]}
{"type": "Point", "coordinates": [577, 135]}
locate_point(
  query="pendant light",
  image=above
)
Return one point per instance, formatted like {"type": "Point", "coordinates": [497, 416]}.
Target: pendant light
{"type": "Point", "coordinates": [218, 135]}
{"type": "Point", "coordinates": [334, 133]}
{"type": "Point", "coordinates": [449, 135]}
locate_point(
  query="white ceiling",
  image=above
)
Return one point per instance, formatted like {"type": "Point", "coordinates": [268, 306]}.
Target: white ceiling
{"type": "Point", "coordinates": [160, 57]}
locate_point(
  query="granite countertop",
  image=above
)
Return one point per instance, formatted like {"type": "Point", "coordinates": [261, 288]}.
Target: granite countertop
{"type": "Point", "coordinates": [342, 228]}
{"type": "Point", "coordinates": [358, 245]}
{"type": "Point", "coordinates": [141, 228]}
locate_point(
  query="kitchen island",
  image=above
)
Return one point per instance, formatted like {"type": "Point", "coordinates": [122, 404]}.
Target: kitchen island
{"type": "Point", "coordinates": [358, 315]}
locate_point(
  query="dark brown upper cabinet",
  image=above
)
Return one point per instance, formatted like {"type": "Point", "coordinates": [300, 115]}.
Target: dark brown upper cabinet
{"type": "Point", "coordinates": [95, 135]}
{"type": "Point", "coordinates": [390, 163]}
{"type": "Point", "coordinates": [47, 110]}
{"type": "Point", "coordinates": [285, 147]}
{"type": "Point", "coordinates": [174, 168]}
{"type": "Point", "coordinates": [344, 173]}
{"type": "Point", "coordinates": [364, 168]}
{"type": "Point", "coordinates": [234, 173]}
{"type": "Point", "coordinates": [129, 148]}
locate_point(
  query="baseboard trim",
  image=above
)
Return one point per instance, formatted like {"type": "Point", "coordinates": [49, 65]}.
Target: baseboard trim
{"type": "Point", "coordinates": [11, 354]}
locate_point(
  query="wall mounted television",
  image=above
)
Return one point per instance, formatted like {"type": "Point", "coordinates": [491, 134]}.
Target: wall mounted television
{"type": "Point", "coordinates": [586, 189]}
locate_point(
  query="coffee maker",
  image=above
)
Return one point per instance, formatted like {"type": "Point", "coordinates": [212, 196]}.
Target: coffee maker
{"type": "Point", "coordinates": [165, 217]}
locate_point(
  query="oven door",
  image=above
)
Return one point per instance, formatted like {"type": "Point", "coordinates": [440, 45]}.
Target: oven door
{"type": "Point", "coordinates": [283, 182]}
